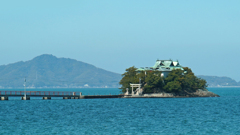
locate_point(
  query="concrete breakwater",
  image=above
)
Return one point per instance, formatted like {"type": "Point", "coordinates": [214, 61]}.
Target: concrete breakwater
{"type": "Point", "coordinates": [154, 95]}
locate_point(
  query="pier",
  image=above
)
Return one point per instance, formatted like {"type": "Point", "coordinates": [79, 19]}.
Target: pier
{"type": "Point", "coordinates": [47, 95]}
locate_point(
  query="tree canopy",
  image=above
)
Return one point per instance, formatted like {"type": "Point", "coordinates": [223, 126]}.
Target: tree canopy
{"type": "Point", "coordinates": [178, 81]}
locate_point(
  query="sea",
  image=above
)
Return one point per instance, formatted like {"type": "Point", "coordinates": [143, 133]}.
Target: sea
{"type": "Point", "coordinates": [144, 116]}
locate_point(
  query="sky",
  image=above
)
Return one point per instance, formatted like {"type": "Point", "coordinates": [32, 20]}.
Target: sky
{"type": "Point", "coordinates": [114, 35]}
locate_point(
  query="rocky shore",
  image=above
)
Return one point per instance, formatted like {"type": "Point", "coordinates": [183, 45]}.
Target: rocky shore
{"type": "Point", "coordinates": [198, 93]}
{"type": "Point", "coordinates": [203, 93]}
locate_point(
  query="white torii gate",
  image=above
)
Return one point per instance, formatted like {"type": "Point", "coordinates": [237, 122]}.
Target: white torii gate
{"type": "Point", "coordinates": [135, 85]}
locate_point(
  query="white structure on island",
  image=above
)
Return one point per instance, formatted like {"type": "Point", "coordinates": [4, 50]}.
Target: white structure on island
{"type": "Point", "coordinates": [164, 66]}
{"type": "Point", "coordinates": [138, 90]}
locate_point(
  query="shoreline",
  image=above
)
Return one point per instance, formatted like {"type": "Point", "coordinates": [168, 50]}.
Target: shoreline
{"type": "Point", "coordinates": [10, 88]}
{"type": "Point", "coordinates": [96, 87]}
{"type": "Point", "coordinates": [198, 93]}
{"type": "Point", "coordinates": [224, 87]}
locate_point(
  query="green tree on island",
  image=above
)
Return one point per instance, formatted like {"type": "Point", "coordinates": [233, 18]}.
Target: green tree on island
{"type": "Point", "coordinates": [178, 81]}
{"type": "Point", "coordinates": [130, 76]}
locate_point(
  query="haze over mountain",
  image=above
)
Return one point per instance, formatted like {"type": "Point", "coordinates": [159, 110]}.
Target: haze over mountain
{"type": "Point", "coordinates": [49, 71]}
{"type": "Point", "coordinates": [216, 81]}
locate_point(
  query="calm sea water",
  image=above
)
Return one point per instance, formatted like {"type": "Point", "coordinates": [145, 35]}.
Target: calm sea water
{"type": "Point", "coordinates": [216, 115]}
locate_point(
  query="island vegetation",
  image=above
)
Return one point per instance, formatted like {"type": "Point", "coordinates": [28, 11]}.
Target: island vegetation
{"type": "Point", "coordinates": [179, 82]}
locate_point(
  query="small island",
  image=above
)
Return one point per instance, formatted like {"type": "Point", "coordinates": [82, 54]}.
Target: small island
{"type": "Point", "coordinates": [166, 78]}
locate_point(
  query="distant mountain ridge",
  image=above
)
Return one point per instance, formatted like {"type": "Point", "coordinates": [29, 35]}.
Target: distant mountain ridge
{"type": "Point", "coordinates": [49, 71]}
{"type": "Point", "coordinates": [215, 81]}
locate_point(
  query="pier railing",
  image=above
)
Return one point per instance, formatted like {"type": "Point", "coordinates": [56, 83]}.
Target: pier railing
{"type": "Point", "coordinates": [4, 95]}
{"type": "Point", "coordinates": [39, 93]}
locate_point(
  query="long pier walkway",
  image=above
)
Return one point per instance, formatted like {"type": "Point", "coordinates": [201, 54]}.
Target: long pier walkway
{"type": "Point", "coordinates": [49, 94]}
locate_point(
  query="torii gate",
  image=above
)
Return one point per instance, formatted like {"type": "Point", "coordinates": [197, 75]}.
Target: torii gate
{"type": "Point", "coordinates": [135, 85]}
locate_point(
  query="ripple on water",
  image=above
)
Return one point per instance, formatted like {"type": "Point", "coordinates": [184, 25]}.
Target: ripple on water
{"type": "Point", "coordinates": [124, 116]}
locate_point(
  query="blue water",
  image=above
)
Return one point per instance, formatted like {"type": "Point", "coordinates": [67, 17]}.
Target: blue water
{"type": "Point", "coordinates": [216, 115]}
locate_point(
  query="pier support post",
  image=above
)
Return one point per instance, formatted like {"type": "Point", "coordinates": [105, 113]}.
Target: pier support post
{"type": "Point", "coordinates": [80, 95]}
{"type": "Point", "coordinates": [27, 98]}
{"type": "Point", "coordinates": [46, 98]}
{"type": "Point", "coordinates": [132, 91]}
{"type": "Point", "coordinates": [4, 98]}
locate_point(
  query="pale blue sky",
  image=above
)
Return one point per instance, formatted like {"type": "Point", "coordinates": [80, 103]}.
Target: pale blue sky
{"type": "Point", "coordinates": [114, 35]}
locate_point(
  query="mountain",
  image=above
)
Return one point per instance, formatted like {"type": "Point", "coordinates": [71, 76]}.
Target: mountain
{"type": "Point", "coordinates": [49, 71]}
{"type": "Point", "coordinates": [215, 81]}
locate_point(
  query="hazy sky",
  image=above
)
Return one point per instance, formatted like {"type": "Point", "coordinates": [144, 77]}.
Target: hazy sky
{"type": "Point", "coordinates": [114, 35]}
